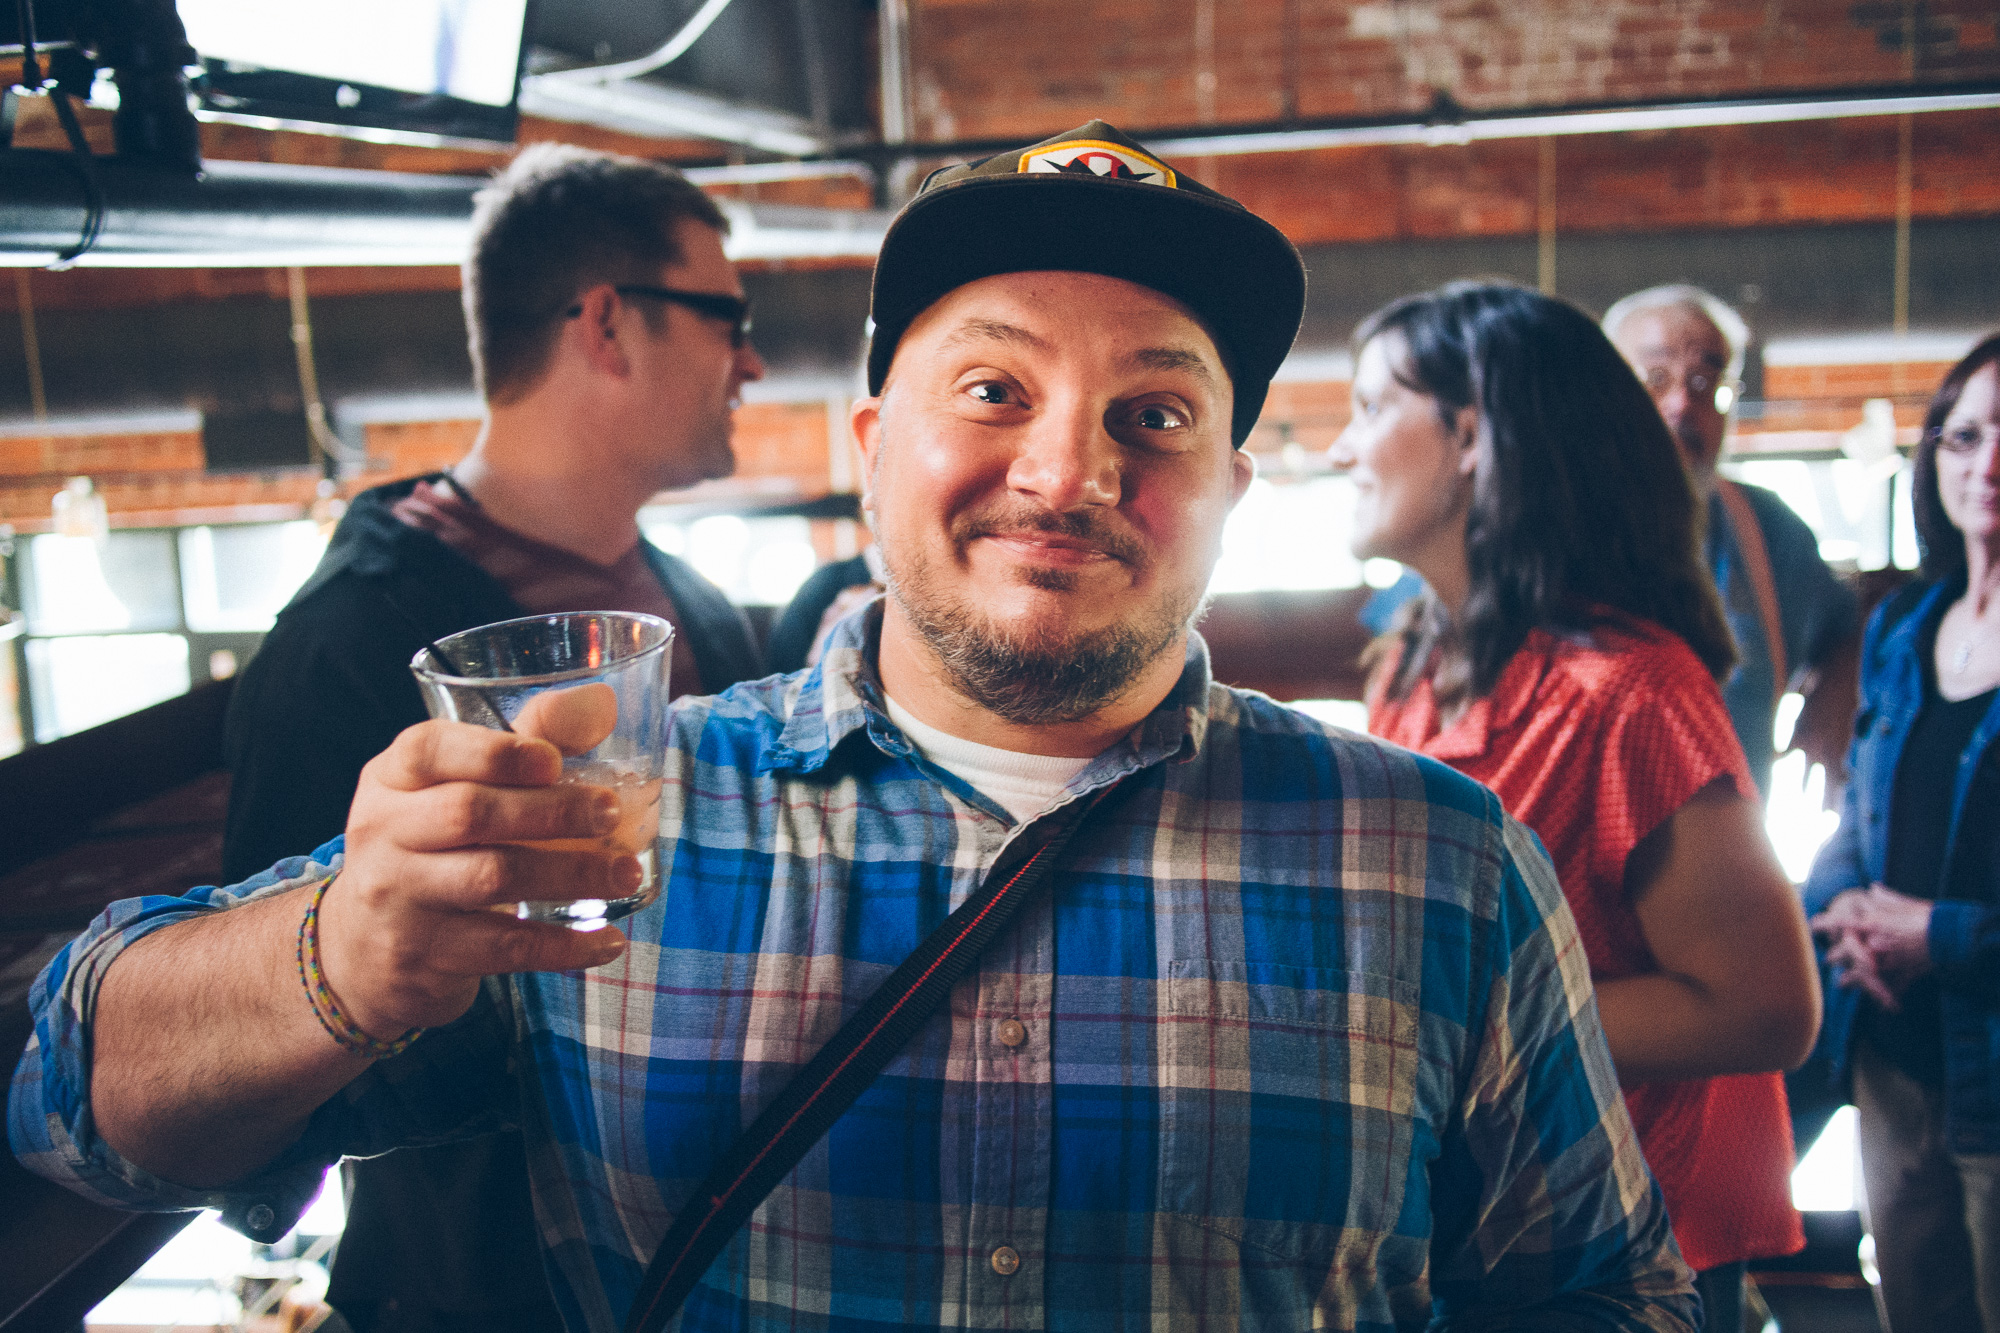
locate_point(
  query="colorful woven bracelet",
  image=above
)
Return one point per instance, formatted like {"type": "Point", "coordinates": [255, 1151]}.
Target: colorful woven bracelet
{"type": "Point", "coordinates": [344, 1030]}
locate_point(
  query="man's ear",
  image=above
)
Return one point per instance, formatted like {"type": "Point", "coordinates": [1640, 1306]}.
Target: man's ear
{"type": "Point", "coordinates": [1242, 471]}
{"type": "Point", "coordinates": [864, 418]}
{"type": "Point", "coordinates": [1465, 434]}
{"type": "Point", "coordinates": [596, 331]}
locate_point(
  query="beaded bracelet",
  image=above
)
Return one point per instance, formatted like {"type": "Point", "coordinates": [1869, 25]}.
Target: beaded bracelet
{"type": "Point", "coordinates": [344, 1030]}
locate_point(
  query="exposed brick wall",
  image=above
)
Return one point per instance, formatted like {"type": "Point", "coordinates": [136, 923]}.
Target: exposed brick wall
{"type": "Point", "coordinates": [156, 479]}
{"type": "Point", "coordinates": [1000, 68]}
{"type": "Point", "coordinates": [412, 448]}
{"type": "Point", "coordinates": [1308, 414]}
{"type": "Point", "coordinates": [1060, 63]}
{"type": "Point", "coordinates": [159, 478]}
{"type": "Point", "coordinates": [1805, 408]}
{"type": "Point", "coordinates": [1881, 379]}
{"type": "Point", "coordinates": [114, 288]}
{"type": "Point", "coordinates": [1724, 177]}
{"type": "Point", "coordinates": [69, 455]}
{"type": "Point", "coordinates": [783, 440]}
{"type": "Point", "coordinates": [1731, 176]}
{"type": "Point", "coordinates": [167, 499]}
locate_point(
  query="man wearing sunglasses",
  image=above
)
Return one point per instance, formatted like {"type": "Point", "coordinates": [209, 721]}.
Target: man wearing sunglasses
{"type": "Point", "coordinates": [1787, 611]}
{"type": "Point", "coordinates": [610, 339]}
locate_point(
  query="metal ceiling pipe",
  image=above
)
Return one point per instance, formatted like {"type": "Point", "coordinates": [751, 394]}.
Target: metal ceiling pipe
{"type": "Point", "coordinates": [235, 215]}
{"type": "Point", "coordinates": [759, 173]}
{"type": "Point", "coordinates": [1450, 124]}
{"type": "Point", "coordinates": [640, 106]}
{"type": "Point", "coordinates": [1443, 126]}
{"type": "Point", "coordinates": [258, 215]}
{"type": "Point", "coordinates": [1606, 120]}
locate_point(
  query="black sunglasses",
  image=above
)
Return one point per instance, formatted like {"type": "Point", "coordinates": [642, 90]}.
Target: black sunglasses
{"type": "Point", "coordinates": [733, 310]}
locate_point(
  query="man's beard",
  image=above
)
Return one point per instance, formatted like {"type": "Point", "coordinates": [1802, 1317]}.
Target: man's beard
{"type": "Point", "coordinates": [1044, 676]}
{"type": "Point", "coordinates": [1694, 454]}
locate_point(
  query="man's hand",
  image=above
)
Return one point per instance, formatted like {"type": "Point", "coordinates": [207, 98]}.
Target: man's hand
{"type": "Point", "coordinates": [434, 862]}
{"type": "Point", "coordinates": [207, 1058]}
{"type": "Point", "coordinates": [1879, 938]}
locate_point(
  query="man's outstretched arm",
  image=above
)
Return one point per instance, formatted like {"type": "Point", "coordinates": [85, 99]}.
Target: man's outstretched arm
{"type": "Point", "coordinates": [205, 1060]}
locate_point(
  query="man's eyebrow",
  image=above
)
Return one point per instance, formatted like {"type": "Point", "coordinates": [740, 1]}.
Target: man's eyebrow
{"type": "Point", "coordinates": [1174, 358]}
{"type": "Point", "coordinates": [1663, 351]}
{"type": "Point", "coordinates": [994, 330]}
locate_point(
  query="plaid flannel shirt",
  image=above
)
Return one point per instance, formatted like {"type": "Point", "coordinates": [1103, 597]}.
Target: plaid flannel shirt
{"type": "Point", "coordinates": [1302, 1037]}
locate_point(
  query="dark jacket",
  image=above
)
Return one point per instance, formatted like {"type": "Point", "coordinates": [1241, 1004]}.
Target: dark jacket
{"type": "Point", "coordinates": [440, 1237]}
{"type": "Point", "coordinates": [1965, 923]}
{"type": "Point", "coordinates": [797, 628]}
{"type": "Point", "coordinates": [331, 685]}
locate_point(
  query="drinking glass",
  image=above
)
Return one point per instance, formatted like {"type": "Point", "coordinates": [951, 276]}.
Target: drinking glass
{"type": "Point", "coordinates": [487, 675]}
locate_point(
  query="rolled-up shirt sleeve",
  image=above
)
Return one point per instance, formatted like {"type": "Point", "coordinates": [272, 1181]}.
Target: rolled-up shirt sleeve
{"type": "Point", "coordinates": [451, 1083]}
{"type": "Point", "coordinates": [1548, 1217]}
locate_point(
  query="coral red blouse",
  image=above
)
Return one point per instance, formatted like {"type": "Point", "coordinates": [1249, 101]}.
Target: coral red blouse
{"type": "Point", "coordinates": [1592, 743]}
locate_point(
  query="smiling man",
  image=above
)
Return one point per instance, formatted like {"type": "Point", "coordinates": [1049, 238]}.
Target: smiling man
{"type": "Point", "coordinates": [1049, 505]}
{"type": "Point", "coordinates": [1296, 1034]}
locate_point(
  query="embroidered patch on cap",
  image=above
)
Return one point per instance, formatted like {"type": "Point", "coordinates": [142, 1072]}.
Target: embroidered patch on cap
{"type": "Point", "coordinates": [1095, 157]}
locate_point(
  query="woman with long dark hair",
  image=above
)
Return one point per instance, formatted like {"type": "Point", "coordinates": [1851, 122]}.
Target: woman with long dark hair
{"type": "Point", "coordinates": [1908, 889]}
{"type": "Point", "coordinates": [1565, 652]}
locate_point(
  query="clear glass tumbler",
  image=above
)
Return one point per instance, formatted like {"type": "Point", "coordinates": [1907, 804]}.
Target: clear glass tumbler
{"type": "Point", "coordinates": [487, 675]}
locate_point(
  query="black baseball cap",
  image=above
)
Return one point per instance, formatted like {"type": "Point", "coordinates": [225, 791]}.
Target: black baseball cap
{"type": "Point", "coordinates": [1094, 201]}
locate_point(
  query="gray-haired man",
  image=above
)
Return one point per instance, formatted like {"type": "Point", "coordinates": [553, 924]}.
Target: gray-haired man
{"type": "Point", "coordinates": [1785, 607]}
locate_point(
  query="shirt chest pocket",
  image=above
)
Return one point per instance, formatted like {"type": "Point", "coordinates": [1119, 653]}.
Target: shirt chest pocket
{"type": "Point", "coordinates": [1287, 1107]}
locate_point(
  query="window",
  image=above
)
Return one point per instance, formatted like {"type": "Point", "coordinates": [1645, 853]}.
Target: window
{"type": "Point", "coordinates": [1861, 515]}
{"type": "Point", "coordinates": [143, 615]}
{"type": "Point", "coordinates": [755, 561]}
{"type": "Point", "coordinates": [238, 578]}
{"type": "Point", "coordinates": [1289, 534]}
{"type": "Point", "coordinates": [1858, 511]}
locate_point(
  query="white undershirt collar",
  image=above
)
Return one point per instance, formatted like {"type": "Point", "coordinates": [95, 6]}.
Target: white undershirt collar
{"type": "Point", "coordinates": [1024, 785]}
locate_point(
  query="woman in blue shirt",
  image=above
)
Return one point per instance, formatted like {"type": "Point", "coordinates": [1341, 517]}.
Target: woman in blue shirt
{"type": "Point", "coordinates": [1908, 891]}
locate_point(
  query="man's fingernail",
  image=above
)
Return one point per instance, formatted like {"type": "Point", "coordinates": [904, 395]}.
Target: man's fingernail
{"type": "Point", "coordinates": [628, 874]}
{"type": "Point", "coordinates": [604, 812]}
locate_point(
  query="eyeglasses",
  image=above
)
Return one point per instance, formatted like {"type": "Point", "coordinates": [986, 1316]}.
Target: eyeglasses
{"type": "Point", "coordinates": [1964, 438]}
{"type": "Point", "coordinates": [732, 310]}
{"type": "Point", "coordinates": [1659, 380]}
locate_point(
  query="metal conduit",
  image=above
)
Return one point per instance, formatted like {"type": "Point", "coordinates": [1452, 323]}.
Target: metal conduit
{"type": "Point", "coordinates": [239, 214]}
{"type": "Point", "coordinates": [1447, 123]}
{"type": "Point", "coordinates": [236, 214]}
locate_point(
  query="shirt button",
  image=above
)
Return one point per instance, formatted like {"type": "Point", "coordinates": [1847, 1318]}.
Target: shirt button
{"type": "Point", "coordinates": [260, 1217]}
{"type": "Point", "coordinates": [1006, 1262]}
{"type": "Point", "coordinates": [1011, 1032]}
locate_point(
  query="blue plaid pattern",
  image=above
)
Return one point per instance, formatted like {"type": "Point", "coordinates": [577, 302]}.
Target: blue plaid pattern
{"type": "Point", "coordinates": [1310, 1043]}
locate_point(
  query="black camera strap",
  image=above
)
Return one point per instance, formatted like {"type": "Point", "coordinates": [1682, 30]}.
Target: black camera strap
{"type": "Point", "coordinates": [821, 1091]}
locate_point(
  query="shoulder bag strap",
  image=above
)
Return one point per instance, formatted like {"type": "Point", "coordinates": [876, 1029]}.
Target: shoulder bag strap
{"type": "Point", "coordinates": [1757, 564]}
{"type": "Point", "coordinates": [820, 1092]}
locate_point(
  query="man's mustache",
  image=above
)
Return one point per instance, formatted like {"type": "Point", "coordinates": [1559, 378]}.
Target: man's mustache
{"type": "Point", "coordinates": [1083, 525]}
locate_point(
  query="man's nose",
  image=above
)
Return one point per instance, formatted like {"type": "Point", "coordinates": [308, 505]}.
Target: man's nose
{"type": "Point", "coordinates": [749, 362]}
{"type": "Point", "coordinates": [1674, 401]}
{"type": "Point", "coordinates": [1068, 460]}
